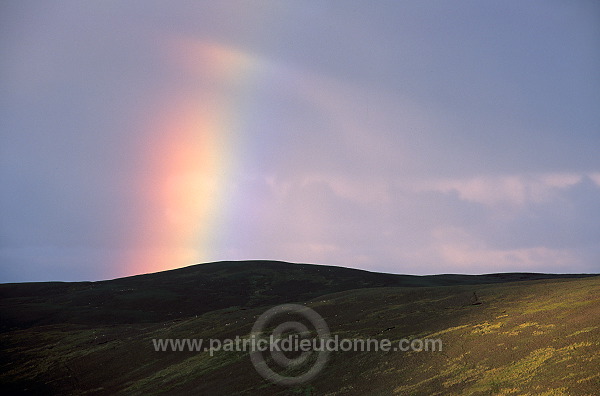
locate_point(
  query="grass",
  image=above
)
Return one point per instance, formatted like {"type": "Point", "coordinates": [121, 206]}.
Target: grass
{"type": "Point", "coordinates": [536, 337]}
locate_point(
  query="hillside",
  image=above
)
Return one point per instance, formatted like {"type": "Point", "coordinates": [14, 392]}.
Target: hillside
{"type": "Point", "coordinates": [539, 336]}
{"type": "Point", "coordinates": [202, 288]}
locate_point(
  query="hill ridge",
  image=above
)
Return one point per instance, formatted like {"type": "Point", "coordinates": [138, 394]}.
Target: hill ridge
{"type": "Point", "coordinates": [201, 288]}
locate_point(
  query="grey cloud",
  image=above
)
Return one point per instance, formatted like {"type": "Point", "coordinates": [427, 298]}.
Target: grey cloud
{"type": "Point", "coordinates": [366, 98]}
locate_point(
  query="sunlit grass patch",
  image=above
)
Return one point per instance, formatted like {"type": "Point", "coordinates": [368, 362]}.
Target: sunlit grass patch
{"type": "Point", "coordinates": [185, 370]}
{"type": "Point", "coordinates": [486, 328]}
{"type": "Point", "coordinates": [564, 304]}
{"type": "Point", "coordinates": [448, 330]}
{"type": "Point", "coordinates": [586, 330]}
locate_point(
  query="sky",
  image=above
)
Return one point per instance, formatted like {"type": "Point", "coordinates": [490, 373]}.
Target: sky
{"type": "Point", "coordinates": [415, 137]}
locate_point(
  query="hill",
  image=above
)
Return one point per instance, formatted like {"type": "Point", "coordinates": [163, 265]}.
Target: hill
{"type": "Point", "coordinates": [202, 288]}
{"type": "Point", "coordinates": [501, 333]}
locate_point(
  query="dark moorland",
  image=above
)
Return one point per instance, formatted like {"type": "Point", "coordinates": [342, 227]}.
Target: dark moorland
{"type": "Point", "coordinates": [512, 333]}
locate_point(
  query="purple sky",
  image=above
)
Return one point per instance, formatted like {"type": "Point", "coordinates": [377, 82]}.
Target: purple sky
{"type": "Point", "coordinates": [414, 137]}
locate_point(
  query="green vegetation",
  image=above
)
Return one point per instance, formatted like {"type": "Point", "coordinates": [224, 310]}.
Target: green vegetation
{"type": "Point", "coordinates": [537, 335]}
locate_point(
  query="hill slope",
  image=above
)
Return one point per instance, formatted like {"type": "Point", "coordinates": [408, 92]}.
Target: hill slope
{"type": "Point", "coordinates": [528, 337]}
{"type": "Point", "coordinates": [202, 288]}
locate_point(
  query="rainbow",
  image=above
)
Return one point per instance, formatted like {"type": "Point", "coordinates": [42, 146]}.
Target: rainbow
{"type": "Point", "coordinates": [185, 165]}
{"type": "Point", "coordinates": [196, 147]}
